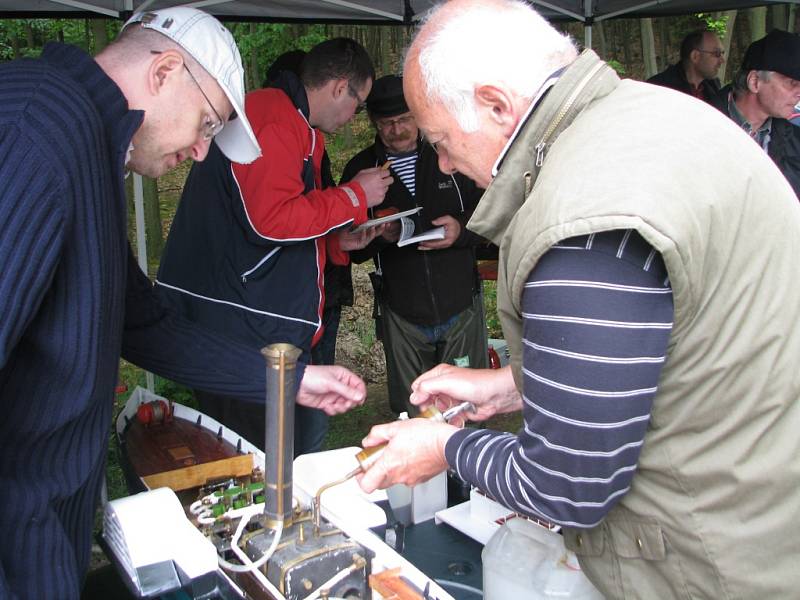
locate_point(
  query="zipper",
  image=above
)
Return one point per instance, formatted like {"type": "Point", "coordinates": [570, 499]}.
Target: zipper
{"type": "Point", "coordinates": [244, 275]}
{"type": "Point", "coordinates": [542, 145]}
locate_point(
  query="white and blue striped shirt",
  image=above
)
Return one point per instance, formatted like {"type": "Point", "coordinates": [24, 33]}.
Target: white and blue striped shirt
{"type": "Point", "coordinates": [597, 316]}
{"type": "Point", "coordinates": [405, 166]}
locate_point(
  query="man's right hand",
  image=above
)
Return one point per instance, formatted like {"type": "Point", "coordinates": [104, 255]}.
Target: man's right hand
{"type": "Point", "coordinates": [375, 182]}
{"type": "Point", "coordinates": [491, 391]}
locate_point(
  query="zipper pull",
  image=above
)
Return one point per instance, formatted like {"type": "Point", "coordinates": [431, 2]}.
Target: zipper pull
{"type": "Point", "coordinates": [540, 153]}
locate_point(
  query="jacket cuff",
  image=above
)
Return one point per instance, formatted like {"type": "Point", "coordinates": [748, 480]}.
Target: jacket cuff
{"type": "Point", "coordinates": [335, 253]}
{"type": "Point", "coordinates": [358, 197]}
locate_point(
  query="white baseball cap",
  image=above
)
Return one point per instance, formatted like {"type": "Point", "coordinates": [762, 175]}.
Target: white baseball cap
{"type": "Point", "coordinates": [211, 44]}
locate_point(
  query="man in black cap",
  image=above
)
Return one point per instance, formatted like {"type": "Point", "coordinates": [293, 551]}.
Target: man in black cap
{"type": "Point", "coordinates": [763, 97]}
{"type": "Point", "coordinates": [427, 294]}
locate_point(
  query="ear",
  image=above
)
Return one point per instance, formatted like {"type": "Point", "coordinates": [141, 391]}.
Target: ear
{"type": "Point", "coordinates": [164, 69]}
{"type": "Point", "coordinates": [498, 106]}
{"type": "Point", "coordinates": [339, 88]}
{"type": "Point", "coordinates": [752, 81]}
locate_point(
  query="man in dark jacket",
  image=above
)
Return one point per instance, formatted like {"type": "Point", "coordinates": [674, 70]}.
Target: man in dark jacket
{"type": "Point", "coordinates": [248, 246]}
{"type": "Point", "coordinates": [763, 96]}
{"type": "Point", "coordinates": [696, 72]}
{"type": "Point", "coordinates": [72, 297]}
{"type": "Point", "coordinates": [427, 295]}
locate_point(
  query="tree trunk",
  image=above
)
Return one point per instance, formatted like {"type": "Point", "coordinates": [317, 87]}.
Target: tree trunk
{"type": "Point", "coordinates": [15, 45]}
{"type": "Point", "coordinates": [29, 36]}
{"type": "Point", "coordinates": [99, 34]}
{"type": "Point", "coordinates": [602, 49]}
{"type": "Point", "coordinates": [780, 17]}
{"type": "Point", "coordinates": [730, 21]}
{"type": "Point", "coordinates": [626, 46]}
{"type": "Point", "coordinates": [664, 45]}
{"type": "Point", "coordinates": [648, 48]}
{"type": "Point", "coordinates": [152, 221]}
{"type": "Point", "coordinates": [254, 76]}
{"type": "Point", "coordinates": [758, 23]}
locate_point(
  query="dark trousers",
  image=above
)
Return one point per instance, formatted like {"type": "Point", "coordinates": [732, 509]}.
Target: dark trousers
{"type": "Point", "coordinates": [248, 420]}
{"type": "Point", "coordinates": [413, 349]}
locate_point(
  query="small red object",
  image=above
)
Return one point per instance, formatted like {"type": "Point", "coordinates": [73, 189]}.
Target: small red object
{"type": "Point", "coordinates": [151, 413]}
{"type": "Point", "coordinates": [494, 358]}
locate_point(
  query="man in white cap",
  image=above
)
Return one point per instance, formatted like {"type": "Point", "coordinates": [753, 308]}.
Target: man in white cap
{"type": "Point", "coordinates": [71, 294]}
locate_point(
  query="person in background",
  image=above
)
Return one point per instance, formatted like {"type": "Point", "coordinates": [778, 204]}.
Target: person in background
{"type": "Point", "coordinates": [696, 72]}
{"type": "Point", "coordinates": [247, 249]}
{"type": "Point", "coordinates": [428, 302]}
{"type": "Point", "coordinates": [71, 294]}
{"type": "Point", "coordinates": [647, 292]}
{"type": "Point", "coordinates": [763, 98]}
{"type": "Point", "coordinates": [338, 278]}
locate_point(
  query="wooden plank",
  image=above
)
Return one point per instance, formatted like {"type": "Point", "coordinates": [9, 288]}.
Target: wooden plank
{"type": "Point", "coordinates": [197, 475]}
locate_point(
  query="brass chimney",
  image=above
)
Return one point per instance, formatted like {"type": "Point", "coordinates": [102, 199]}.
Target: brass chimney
{"type": "Point", "coordinates": [281, 362]}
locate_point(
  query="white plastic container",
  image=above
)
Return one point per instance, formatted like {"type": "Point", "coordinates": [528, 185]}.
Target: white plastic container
{"type": "Point", "coordinates": [525, 560]}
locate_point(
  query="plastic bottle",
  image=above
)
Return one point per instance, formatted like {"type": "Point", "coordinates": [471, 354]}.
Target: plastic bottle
{"type": "Point", "coordinates": [523, 560]}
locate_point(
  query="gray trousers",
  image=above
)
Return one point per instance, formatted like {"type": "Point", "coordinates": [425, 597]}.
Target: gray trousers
{"type": "Point", "coordinates": [413, 349]}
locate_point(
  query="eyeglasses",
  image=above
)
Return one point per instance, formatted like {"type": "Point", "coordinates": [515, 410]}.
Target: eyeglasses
{"type": "Point", "coordinates": [715, 53]}
{"type": "Point", "coordinates": [209, 128]}
{"type": "Point", "coordinates": [387, 124]}
{"type": "Point", "coordinates": [361, 103]}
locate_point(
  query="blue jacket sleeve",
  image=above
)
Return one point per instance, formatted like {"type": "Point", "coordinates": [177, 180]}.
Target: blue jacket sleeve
{"type": "Point", "coordinates": [158, 340]}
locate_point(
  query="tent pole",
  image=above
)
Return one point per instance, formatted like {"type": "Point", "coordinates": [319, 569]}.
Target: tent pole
{"type": "Point", "coordinates": [141, 245]}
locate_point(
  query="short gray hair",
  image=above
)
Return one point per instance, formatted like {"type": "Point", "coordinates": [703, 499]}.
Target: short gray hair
{"type": "Point", "coordinates": [740, 81]}
{"type": "Point", "coordinates": [509, 44]}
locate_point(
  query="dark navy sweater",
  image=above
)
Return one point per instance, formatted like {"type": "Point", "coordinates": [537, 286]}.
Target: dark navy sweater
{"type": "Point", "coordinates": [72, 300]}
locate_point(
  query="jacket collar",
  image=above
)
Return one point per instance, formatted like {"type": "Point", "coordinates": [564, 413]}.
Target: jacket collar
{"type": "Point", "coordinates": [293, 87]}
{"type": "Point", "coordinates": [119, 122]}
{"type": "Point", "coordinates": [589, 78]}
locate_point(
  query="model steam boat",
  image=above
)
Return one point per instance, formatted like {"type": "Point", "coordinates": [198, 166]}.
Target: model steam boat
{"type": "Point", "coordinates": [216, 520]}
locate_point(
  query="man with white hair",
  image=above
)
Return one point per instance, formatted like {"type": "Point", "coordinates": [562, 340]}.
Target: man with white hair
{"type": "Point", "coordinates": [649, 306]}
{"type": "Point", "coordinates": [71, 295]}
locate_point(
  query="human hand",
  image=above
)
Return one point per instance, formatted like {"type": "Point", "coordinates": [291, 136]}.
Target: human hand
{"type": "Point", "coordinates": [356, 240]}
{"type": "Point", "coordinates": [414, 453]}
{"type": "Point", "coordinates": [375, 182]}
{"type": "Point", "coordinates": [331, 388]}
{"type": "Point", "coordinates": [392, 231]}
{"type": "Point", "coordinates": [452, 229]}
{"type": "Point", "coordinates": [491, 391]}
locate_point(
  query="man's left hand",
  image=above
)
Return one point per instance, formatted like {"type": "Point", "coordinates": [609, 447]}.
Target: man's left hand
{"type": "Point", "coordinates": [415, 453]}
{"type": "Point", "coordinates": [452, 229]}
{"type": "Point", "coordinates": [331, 388]}
{"type": "Point", "coordinates": [349, 240]}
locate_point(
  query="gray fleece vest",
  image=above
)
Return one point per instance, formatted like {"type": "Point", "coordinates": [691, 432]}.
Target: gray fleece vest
{"type": "Point", "coordinates": [714, 507]}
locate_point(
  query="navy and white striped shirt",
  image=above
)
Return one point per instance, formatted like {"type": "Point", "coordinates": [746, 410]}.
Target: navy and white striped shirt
{"type": "Point", "coordinates": [597, 314]}
{"type": "Point", "coordinates": [405, 166]}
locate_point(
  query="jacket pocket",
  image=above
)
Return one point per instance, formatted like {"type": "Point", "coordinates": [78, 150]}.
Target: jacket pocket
{"type": "Point", "coordinates": [629, 558]}
{"type": "Point", "coordinates": [256, 270]}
